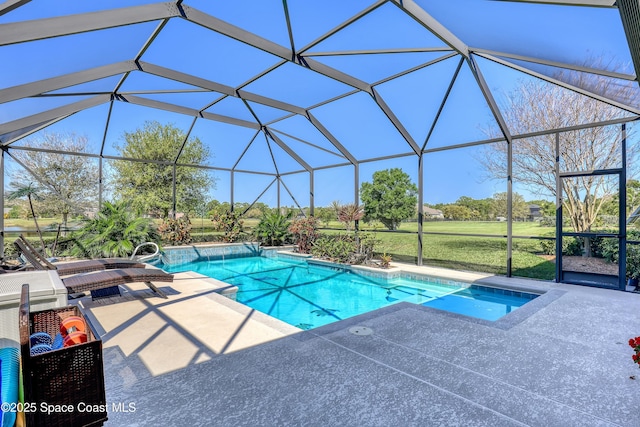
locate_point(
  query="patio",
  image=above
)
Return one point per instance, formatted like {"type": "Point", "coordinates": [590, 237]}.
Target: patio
{"type": "Point", "coordinates": [298, 104]}
{"type": "Point", "coordinates": [548, 366]}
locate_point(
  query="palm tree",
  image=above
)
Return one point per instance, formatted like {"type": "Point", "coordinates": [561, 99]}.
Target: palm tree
{"type": "Point", "coordinates": [31, 192]}
{"type": "Point", "coordinates": [273, 228]}
{"type": "Point", "coordinates": [115, 231]}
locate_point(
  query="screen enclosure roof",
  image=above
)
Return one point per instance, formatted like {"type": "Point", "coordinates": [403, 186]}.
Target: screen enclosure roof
{"type": "Point", "coordinates": [286, 86]}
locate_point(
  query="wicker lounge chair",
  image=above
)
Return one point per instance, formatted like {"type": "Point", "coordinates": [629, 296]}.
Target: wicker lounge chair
{"type": "Point", "coordinates": [80, 283]}
{"type": "Point", "coordinates": [39, 262]}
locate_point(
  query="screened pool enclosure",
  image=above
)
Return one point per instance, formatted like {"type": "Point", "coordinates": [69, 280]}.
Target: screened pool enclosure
{"type": "Point", "coordinates": [298, 102]}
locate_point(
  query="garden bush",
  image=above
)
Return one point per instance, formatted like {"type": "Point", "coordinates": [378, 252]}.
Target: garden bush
{"type": "Point", "coordinates": [345, 248]}
{"type": "Point", "coordinates": [337, 248]}
{"type": "Point", "coordinates": [230, 224]}
{"type": "Point", "coordinates": [305, 233]}
{"type": "Point", "coordinates": [571, 246]}
{"type": "Point", "coordinates": [175, 231]}
{"type": "Point", "coordinates": [548, 221]}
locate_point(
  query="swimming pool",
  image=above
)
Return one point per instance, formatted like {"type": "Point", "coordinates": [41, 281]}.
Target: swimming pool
{"type": "Point", "coordinates": [307, 296]}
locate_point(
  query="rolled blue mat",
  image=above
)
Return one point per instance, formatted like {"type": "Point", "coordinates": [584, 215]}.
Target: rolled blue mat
{"type": "Point", "coordinates": [58, 341]}
{"type": "Point", "coordinates": [40, 348]}
{"type": "Point", "coordinates": [40, 338]}
{"type": "Point", "coordinates": [10, 378]}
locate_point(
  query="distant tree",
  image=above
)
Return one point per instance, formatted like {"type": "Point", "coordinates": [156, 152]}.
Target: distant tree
{"type": "Point", "coordinates": [254, 213]}
{"type": "Point", "coordinates": [215, 207]}
{"type": "Point", "coordinates": [534, 105]}
{"type": "Point", "coordinates": [68, 183]}
{"type": "Point", "coordinates": [480, 208]}
{"type": "Point", "coordinates": [325, 215]}
{"type": "Point", "coordinates": [633, 200]}
{"type": "Point", "coordinates": [149, 186]}
{"type": "Point", "coordinates": [633, 195]}
{"type": "Point", "coordinates": [240, 206]}
{"type": "Point", "coordinates": [520, 209]}
{"type": "Point", "coordinates": [457, 212]}
{"type": "Point", "coordinates": [547, 208]}
{"type": "Point", "coordinates": [263, 207]}
{"type": "Point", "coordinates": [390, 198]}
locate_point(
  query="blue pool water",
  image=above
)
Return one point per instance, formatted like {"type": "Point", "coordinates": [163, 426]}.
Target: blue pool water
{"type": "Point", "coordinates": [308, 296]}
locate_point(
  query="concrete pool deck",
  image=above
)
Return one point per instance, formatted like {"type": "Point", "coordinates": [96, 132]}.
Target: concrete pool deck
{"type": "Point", "coordinates": [199, 358]}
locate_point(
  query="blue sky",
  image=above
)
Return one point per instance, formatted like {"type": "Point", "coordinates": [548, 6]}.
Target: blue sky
{"type": "Point", "coordinates": [552, 32]}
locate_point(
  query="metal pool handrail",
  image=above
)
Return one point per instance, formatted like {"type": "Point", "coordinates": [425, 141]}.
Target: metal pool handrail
{"type": "Point", "coordinates": [145, 257]}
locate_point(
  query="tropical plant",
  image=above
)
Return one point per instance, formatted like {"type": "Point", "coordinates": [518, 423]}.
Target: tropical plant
{"type": "Point", "coordinates": [176, 231]}
{"type": "Point", "coordinates": [348, 213]}
{"type": "Point", "coordinates": [31, 192]}
{"type": "Point", "coordinates": [230, 224]}
{"type": "Point", "coordinates": [305, 231]}
{"type": "Point", "coordinates": [115, 231]}
{"type": "Point", "coordinates": [273, 229]}
{"type": "Point", "coordinates": [385, 260]}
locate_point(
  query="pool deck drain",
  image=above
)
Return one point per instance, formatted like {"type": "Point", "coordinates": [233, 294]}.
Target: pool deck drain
{"type": "Point", "coordinates": [361, 330]}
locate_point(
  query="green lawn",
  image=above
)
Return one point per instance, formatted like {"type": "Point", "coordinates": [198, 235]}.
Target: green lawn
{"type": "Point", "coordinates": [482, 254]}
{"type": "Point", "coordinates": [29, 224]}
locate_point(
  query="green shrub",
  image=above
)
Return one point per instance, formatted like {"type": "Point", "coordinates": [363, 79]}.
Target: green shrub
{"type": "Point", "coordinates": [633, 260]}
{"type": "Point", "coordinates": [571, 246]}
{"type": "Point", "coordinates": [547, 221]}
{"type": "Point", "coordinates": [345, 248]}
{"type": "Point", "coordinates": [337, 248]}
{"type": "Point", "coordinates": [366, 245]}
{"type": "Point", "coordinates": [610, 252]}
{"type": "Point", "coordinates": [548, 247]}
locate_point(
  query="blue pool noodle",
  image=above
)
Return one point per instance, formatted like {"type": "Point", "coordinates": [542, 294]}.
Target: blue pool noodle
{"type": "Point", "coordinates": [9, 379]}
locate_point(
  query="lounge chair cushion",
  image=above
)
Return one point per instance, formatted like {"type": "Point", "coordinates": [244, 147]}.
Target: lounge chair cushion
{"type": "Point", "coordinates": [72, 267]}
{"type": "Point", "coordinates": [108, 278]}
